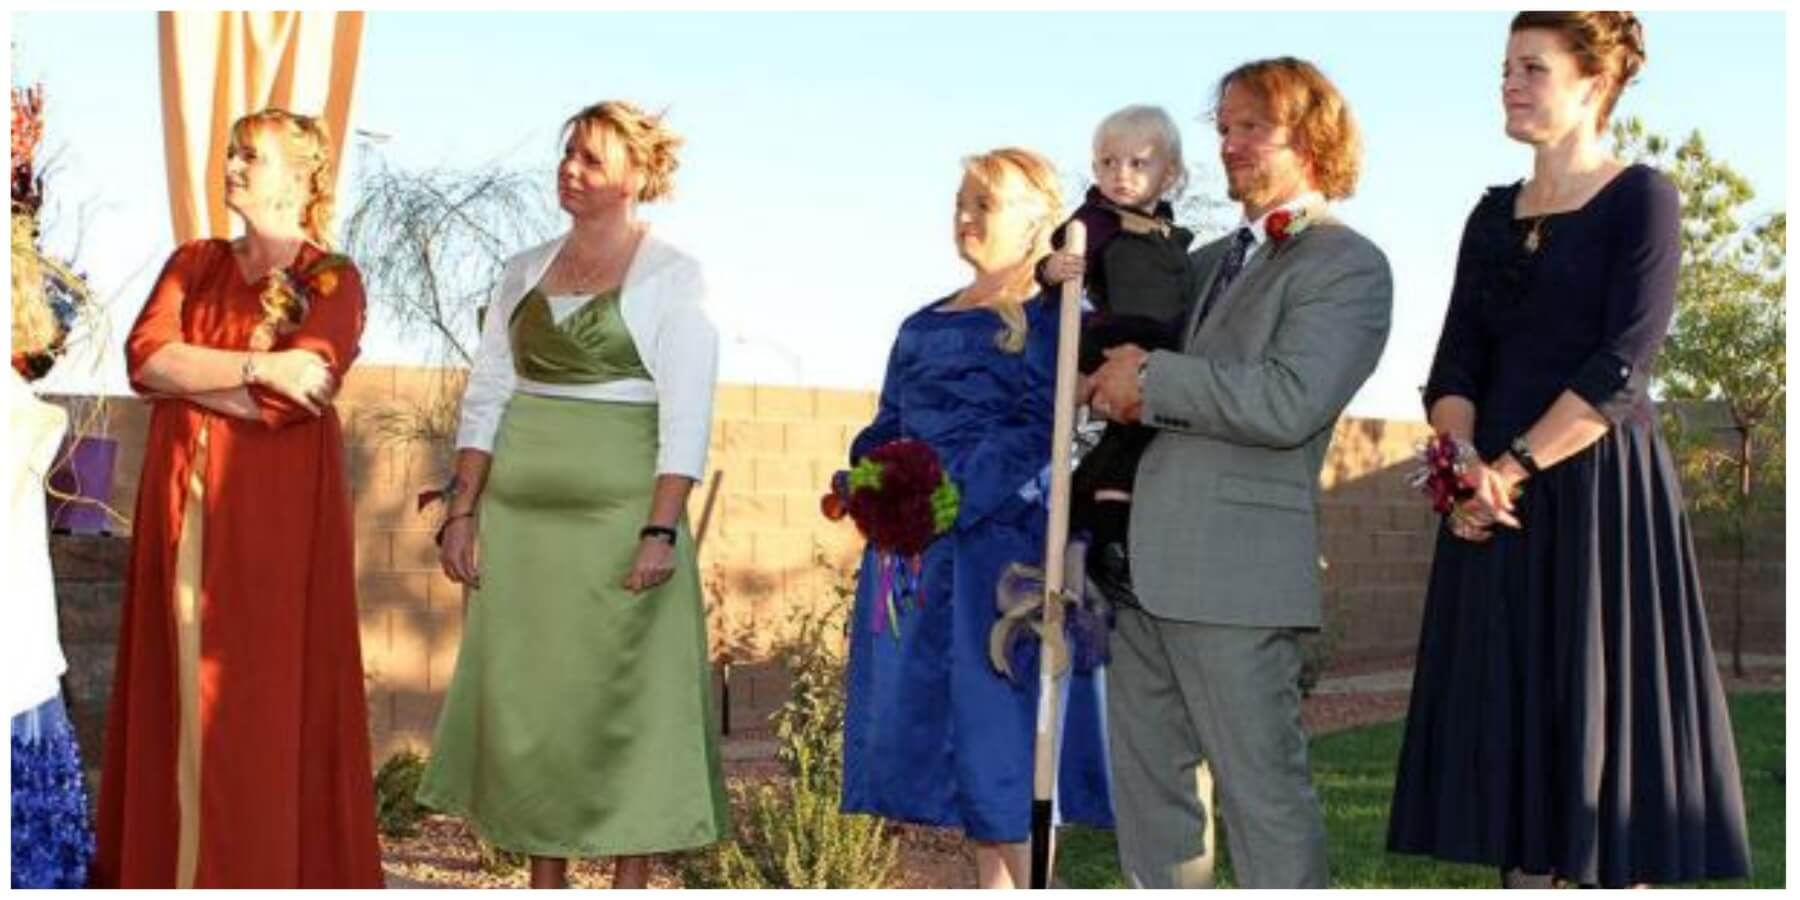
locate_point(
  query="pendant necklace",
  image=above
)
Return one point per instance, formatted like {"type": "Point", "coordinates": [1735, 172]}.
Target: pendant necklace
{"type": "Point", "coordinates": [1534, 237]}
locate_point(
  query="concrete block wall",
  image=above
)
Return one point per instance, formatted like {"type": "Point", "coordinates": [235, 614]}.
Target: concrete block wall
{"type": "Point", "coordinates": [1376, 537]}
{"type": "Point", "coordinates": [768, 552]}
{"type": "Point", "coordinates": [90, 592]}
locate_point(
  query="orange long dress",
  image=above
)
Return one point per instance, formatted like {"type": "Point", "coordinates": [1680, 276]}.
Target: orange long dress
{"type": "Point", "coordinates": [237, 746]}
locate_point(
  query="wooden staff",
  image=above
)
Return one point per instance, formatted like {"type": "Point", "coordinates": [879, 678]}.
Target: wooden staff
{"type": "Point", "coordinates": [1053, 652]}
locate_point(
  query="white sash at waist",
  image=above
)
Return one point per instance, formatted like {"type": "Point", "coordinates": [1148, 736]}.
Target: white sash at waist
{"type": "Point", "coordinates": [623, 390]}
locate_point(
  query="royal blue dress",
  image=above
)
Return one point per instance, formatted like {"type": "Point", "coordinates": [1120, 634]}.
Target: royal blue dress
{"type": "Point", "coordinates": [932, 733]}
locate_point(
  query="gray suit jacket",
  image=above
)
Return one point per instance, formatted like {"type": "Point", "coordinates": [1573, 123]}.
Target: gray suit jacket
{"type": "Point", "coordinates": [1224, 522]}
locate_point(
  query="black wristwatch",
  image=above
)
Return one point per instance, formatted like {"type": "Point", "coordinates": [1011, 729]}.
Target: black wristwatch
{"type": "Point", "coordinates": [1521, 451]}
{"type": "Point", "coordinates": [660, 532]}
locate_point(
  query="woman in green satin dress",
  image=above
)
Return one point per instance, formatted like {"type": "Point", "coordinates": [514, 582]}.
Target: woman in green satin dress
{"type": "Point", "coordinates": [577, 723]}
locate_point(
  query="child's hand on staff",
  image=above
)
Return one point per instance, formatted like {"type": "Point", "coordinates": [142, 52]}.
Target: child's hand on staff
{"type": "Point", "coordinates": [1061, 267]}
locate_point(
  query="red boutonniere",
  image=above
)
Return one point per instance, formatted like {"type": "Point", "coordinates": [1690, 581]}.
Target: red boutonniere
{"type": "Point", "coordinates": [1284, 223]}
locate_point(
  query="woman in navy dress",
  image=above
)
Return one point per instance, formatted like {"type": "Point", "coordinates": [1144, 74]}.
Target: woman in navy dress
{"type": "Point", "coordinates": [933, 734]}
{"type": "Point", "coordinates": [1567, 716]}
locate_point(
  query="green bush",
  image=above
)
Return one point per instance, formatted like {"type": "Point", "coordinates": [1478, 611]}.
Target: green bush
{"type": "Point", "coordinates": [809, 727]}
{"type": "Point", "coordinates": [794, 837]}
{"type": "Point", "coordinates": [397, 810]}
{"type": "Point", "coordinates": [792, 834]}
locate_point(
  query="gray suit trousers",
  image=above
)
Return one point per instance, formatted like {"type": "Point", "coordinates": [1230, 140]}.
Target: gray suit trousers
{"type": "Point", "coordinates": [1183, 698]}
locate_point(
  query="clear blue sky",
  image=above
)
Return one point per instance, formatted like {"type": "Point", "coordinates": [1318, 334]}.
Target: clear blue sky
{"type": "Point", "coordinates": [823, 148]}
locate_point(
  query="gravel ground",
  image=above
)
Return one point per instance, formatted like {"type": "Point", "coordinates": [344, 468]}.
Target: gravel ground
{"type": "Point", "coordinates": [443, 854]}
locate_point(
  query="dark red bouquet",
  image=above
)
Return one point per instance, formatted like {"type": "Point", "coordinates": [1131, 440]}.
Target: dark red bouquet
{"type": "Point", "coordinates": [900, 499]}
{"type": "Point", "coordinates": [898, 496]}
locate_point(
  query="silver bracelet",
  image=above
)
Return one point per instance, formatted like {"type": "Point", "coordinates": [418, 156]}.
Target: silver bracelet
{"type": "Point", "coordinates": [249, 370]}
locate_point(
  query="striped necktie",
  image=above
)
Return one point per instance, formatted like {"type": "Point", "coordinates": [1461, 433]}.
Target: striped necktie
{"type": "Point", "coordinates": [1228, 270]}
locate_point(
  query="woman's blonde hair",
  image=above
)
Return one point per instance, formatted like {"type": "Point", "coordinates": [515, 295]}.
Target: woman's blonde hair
{"type": "Point", "coordinates": [1296, 94]}
{"type": "Point", "coordinates": [307, 142]}
{"type": "Point", "coordinates": [1154, 123]}
{"type": "Point", "coordinates": [1044, 192]}
{"type": "Point", "coordinates": [649, 144]}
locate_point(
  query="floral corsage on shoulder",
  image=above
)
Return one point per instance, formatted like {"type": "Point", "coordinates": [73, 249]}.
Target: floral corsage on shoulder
{"type": "Point", "coordinates": [290, 295]}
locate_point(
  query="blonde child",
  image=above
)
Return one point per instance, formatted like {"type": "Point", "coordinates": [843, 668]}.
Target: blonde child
{"type": "Point", "coordinates": [1136, 276]}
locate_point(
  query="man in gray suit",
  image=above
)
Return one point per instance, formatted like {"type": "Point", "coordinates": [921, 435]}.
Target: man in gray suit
{"type": "Point", "coordinates": [1291, 313]}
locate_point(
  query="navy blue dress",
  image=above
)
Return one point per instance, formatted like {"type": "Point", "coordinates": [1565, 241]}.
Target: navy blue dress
{"type": "Point", "coordinates": [1567, 715]}
{"type": "Point", "coordinates": [932, 733]}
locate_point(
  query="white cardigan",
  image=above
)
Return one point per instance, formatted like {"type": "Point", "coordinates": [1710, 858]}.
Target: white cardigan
{"type": "Point", "coordinates": [660, 302]}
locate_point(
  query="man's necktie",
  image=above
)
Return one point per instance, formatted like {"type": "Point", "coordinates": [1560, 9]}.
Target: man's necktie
{"type": "Point", "coordinates": [1228, 270]}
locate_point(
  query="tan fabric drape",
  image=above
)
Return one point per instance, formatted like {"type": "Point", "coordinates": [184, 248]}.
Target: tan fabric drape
{"type": "Point", "coordinates": [217, 66]}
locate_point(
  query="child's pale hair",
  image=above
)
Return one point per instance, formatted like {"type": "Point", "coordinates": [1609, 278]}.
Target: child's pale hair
{"type": "Point", "coordinates": [1152, 122]}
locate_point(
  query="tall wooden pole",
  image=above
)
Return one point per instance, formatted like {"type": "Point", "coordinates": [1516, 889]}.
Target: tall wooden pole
{"type": "Point", "coordinates": [1053, 651]}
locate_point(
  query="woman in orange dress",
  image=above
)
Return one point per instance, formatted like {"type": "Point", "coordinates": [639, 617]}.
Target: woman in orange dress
{"type": "Point", "coordinates": [237, 748]}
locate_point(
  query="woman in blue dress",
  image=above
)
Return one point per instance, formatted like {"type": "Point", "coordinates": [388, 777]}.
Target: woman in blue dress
{"type": "Point", "coordinates": [933, 734]}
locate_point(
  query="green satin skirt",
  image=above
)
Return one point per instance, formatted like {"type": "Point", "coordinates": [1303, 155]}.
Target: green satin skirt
{"type": "Point", "coordinates": [578, 722]}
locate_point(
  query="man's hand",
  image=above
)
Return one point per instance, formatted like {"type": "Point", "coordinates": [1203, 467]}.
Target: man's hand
{"type": "Point", "coordinates": [1116, 395]}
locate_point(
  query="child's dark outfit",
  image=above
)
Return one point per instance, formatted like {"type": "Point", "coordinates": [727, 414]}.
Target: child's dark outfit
{"type": "Point", "coordinates": [1138, 280]}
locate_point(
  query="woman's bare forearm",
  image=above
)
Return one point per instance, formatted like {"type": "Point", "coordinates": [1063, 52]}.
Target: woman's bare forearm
{"type": "Point", "coordinates": [233, 402]}
{"type": "Point", "coordinates": [1454, 415]}
{"type": "Point", "coordinates": [469, 477]}
{"type": "Point", "coordinates": [182, 370]}
{"type": "Point", "coordinates": [669, 499]}
{"type": "Point", "coordinates": [1568, 427]}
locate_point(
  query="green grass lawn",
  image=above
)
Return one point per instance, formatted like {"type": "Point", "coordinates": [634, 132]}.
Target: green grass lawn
{"type": "Point", "coordinates": [1354, 772]}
